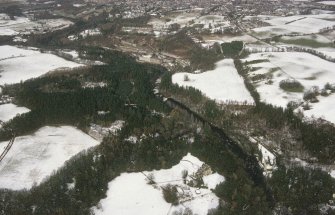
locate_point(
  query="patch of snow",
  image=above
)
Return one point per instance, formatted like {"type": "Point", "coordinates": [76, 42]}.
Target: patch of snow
{"type": "Point", "coordinates": [25, 26]}
{"type": "Point", "coordinates": [332, 173]}
{"type": "Point", "coordinates": [305, 68]}
{"type": "Point", "coordinates": [9, 111]}
{"type": "Point", "coordinates": [18, 64]}
{"type": "Point", "coordinates": [71, 186]}
{"type": "Point", "coordinates": [19, 39]}
{"type": "Point", "coordinates": [94, 84]}
{"type": "Point", "coordinates": [79, 5]}
{"type": "Point", "coordinates": [315, 37]}
{"type": "Point", "coordinates": [73, 53]}
{"type": "Point", "coordinates": [300, 24]}
{"type": "Point", "coordinates": [221, 84]}
{"type": "Point", "coordinates": [33, 158]}
{"type": "Point", "coordinates": [132, 139]}
{"type": "Point", "coordinates": [323, 109]}
{"type": "Point", "coordinates": [130, 193]}
{"type": "Point", "coordinates": [211, 181]}
{"type": "Point", "coordinates": [327, 2]}
{"type": "Point", "coordinates": [99, 132]}
{"type": "Point", "coordinates": [267, 157]}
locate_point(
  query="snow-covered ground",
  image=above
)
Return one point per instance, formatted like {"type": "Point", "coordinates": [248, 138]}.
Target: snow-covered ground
{"type": "Point", "coordinates": [327, 51]}
{"type": "Point", "coordinates": [300, 24]}
{"type": "Point", "coordinates": [130, 193]}
{"type": "Point", "coordinates": [85, 33]}
{"type": "Point", "coordinates": [181, 18]}
{"type": "Point", "coordinates": [221, 84]}
{"type": "Point", "coordinates": [213, 23]}
{"type": "Point", "coordinates": [268, 161]}
{"type": "Point", "coordinates": [18, 64]}
{"type": "Point", "coordinates": [327, 2]}
{"type": "Point", "coordinates": [307, 69]}
{"type": "Point", "coordinates": [317, 42]}
{"type": "Point", "coordinates": [34, 157]}
{"type": "Point", "coordinates": [313, 37]}
{"type": "Point", "coordinates": [323, 109]}
{"type": "Point", "coordinates": [23, 25]}
{"type": "Point", "coordinates": [9, 111]}
{"type": "Point", "coordinates": [209, 40]}
{"type": "Point", "coordinates": [74, 54]}
{"type": "Point", "coordinates": [99, 132]}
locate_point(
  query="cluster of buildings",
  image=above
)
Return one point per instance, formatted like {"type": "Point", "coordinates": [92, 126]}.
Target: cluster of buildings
{"type": "Point", "coordinates": [137, 8]}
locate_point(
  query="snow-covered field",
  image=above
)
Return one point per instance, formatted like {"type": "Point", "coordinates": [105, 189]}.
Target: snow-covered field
{"type": "Point", "coordinates": [328, 51]}
{"type": "Point", "coordinates": [300, 24]}
{"type": "Point", "coordinates": [18, 64]}
{"type": "Point", "coordinates": [221, 84]}
{"type": "Point", "coordinates": [323, 109]}
{"type": "Point", "coordinates": [85, 33]}
{"type": "Point", "coordinates": [212, 22]}
{"type": "Point", "coordinates": [23, 25]}
{"type": "Point", "coordinates": [307, 69]}
{"type": "Point", "coordinates": [34, 157]}
{"type": "Point", "coordinates": [315, 37]}
{"type": "Point", "coordinates": [327, 2]}
{"type": "Point", "coordinates": [130, 193]}
{"type": "Point", "coordinates": [209, 40]}
{"type": "Point", "coordinates": [9, 111]}
{"type": "Point", "coordinates": [268, 161]}
{"type": "Point", "coordinates": [181, 18]}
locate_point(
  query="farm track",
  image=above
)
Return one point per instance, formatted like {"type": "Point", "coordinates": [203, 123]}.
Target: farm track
{"type": "Point", "coordinates": [8, 147]}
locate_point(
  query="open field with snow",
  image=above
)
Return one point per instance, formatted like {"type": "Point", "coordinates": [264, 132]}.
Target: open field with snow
{"type": "Point", "coordinates": [130, 193]}
{"type": "Point", "coordinates": [214, 23]}
{"type": "Point", "coordinates": [309, 41]}
{"type": "Point", "coordinates": [18, 64]}
{"type": "Point", "coordinates": [177, 17]}
{"type": "Point", "coordinates": [307, 69]}
{"type": "Point", "coordinates": [327, 51]}
{"type": "Point", "coordinates": [299, 24]}
{"type": "Point", "coordinates": [23, 25]}
{"type": "Point", "coordinates": [319, 42]}
{"type": "Point", "coordinates": [323, 109]}
{"type": "Point", "coordinates": [9, 111]}
{"type": "Point", "coordinates": [34, 157]}
{"type": "Point", "coordinates": [327, 2]}
{"type": "Point", "coordinates": [221, 84]}
{"type": "Point", "coordinates": [210, 39]}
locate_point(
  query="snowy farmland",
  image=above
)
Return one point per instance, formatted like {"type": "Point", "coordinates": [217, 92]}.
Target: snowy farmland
{"type": "Point", "coordinates": [183, 19]}
{"type": "Point", "coordinates": [9, 111]}
{"type": "Point", "coordinates": [18, 64]}
{"type": "Point", "coordinates": [300, 24]}
{"type": "Point", "coordinates": [221, 84]}
{"type": "Point", "coordinates": [327, 2]}
{"type": "Point", "coordinates": [209, 40]}
{"type": "Point", "coordinates": [310, 71]}
{"type": "Point", "coordinates": [23, 25]}
{"type": "Point", "coordinates": [323, 109]}
{"type": "Point", "coordinates": [130, 193]}
{"type": "Point", "coordinates": [33, 158]}
{"type": "Point", "coordinates": [214, 23]}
